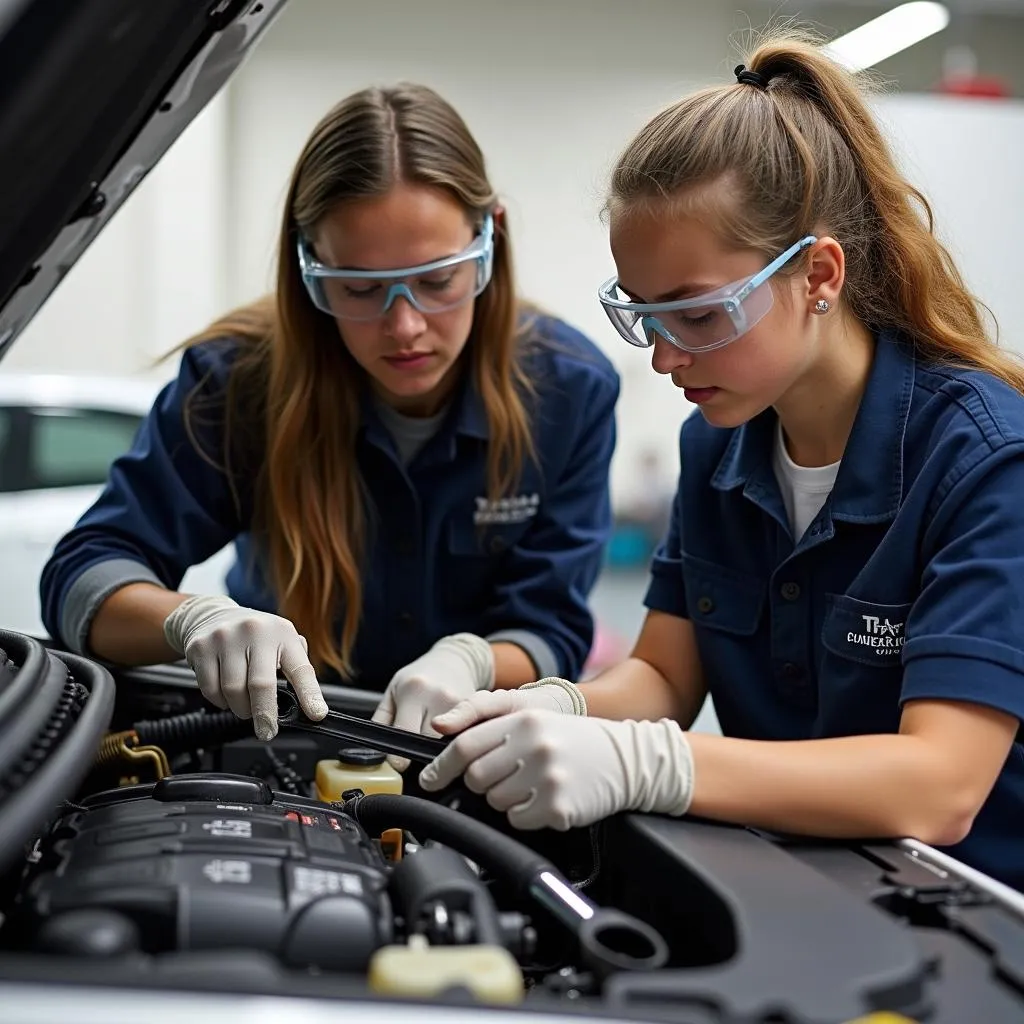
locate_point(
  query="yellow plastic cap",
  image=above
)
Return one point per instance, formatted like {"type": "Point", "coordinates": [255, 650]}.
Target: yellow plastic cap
{"type": "Point", "coordinates": [419, 970]}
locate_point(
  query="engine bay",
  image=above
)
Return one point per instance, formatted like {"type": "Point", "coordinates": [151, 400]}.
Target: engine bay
{"type": "Point", "coordinates": [148, 841]}
{"type": "Point", "coordinates": [157, 861]}
{"type": "Point", "coordinates": [207, 862]}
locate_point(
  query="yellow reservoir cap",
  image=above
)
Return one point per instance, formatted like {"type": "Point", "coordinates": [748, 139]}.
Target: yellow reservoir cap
{"type": "Point", "coordinates": [420, 970]}
{"type": "Point", "coordinates": [883, 1017]}
{"type": "Point", "coordinates": [356, 768]}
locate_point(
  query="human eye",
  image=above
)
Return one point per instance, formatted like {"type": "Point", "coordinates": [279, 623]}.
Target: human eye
{"type": "Point", "coordinates": [697, 321]}
{"type": "Point", "coordinates": [437, 284]}
{"type": "Point", "coordinates": [694, 319]}
{"type": "Point", "coordinates": [357, 291]}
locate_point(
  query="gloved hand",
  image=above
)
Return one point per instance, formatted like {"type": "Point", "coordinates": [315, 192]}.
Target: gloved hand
{"type": "Point", "coordinates": [454, 668]}
{"type": "Point", "coordinates": [235, 653]}
{"type": "Point", "coordinates": [549, 694]}
{"type": "Point", "coordinates": [550, 770]}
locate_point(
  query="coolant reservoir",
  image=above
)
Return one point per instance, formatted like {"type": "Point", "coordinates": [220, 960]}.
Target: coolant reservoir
{"type": "Point", "coordinates": [356, 768]}
{"type": "Point", "coordinates": [421, 971]}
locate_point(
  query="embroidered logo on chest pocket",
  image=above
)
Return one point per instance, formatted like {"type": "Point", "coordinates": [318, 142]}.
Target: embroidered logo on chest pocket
{"type": "Point", "coordinates": [870, 632]}
{"type": "Point", "coordinates": [883, 636]}
{"type": "Point", "coordinates": [520, 508]}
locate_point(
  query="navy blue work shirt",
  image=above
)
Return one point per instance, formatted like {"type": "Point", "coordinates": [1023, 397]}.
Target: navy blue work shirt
{"type": "Point", "coordinates": [909, 584]}
{"type": "Point", "coordinates": [441, 557]}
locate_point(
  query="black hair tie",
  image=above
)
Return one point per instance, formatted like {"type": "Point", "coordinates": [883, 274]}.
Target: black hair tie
{"type": "Point", "coordinates": [750, 77]}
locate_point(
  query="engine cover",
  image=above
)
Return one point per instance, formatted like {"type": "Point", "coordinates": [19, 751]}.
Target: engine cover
{"type": "Point", "coordinates": [209, 862]}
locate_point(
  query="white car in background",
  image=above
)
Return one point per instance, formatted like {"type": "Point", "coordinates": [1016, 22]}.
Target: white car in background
{"type": "Point", "coordinates": [58, 437]}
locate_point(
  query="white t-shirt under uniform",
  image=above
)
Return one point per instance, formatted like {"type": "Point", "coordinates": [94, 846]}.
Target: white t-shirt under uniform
{"type": "Point", "coordinates": [804, 488]}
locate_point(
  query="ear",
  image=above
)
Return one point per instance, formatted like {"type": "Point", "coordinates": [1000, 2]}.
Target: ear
{"type": "Point", "coordinates": [826, 272]}
{"type": "Point", "coordinates": [498, 215]}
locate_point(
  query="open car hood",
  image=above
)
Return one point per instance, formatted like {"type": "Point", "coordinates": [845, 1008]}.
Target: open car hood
{"type": "Point", "coordinates": [94, 92]}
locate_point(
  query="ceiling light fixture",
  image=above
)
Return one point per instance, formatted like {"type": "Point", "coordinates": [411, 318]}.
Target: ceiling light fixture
{"type": "Point", "coordinates": [889, 33]}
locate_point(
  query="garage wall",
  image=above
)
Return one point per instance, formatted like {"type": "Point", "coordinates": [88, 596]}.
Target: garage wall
{"type": "Point", "coordinates": [552, 91]}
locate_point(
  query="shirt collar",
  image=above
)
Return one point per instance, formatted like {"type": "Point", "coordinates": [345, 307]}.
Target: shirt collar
{"type": "Point", "coordinates": [869, 484]}
{"type": "Point", "coordinates": [468, 415]}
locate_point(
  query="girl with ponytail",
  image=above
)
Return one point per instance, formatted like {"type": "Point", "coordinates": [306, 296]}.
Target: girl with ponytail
{"type": "Point", "coordinates": [844, 570]}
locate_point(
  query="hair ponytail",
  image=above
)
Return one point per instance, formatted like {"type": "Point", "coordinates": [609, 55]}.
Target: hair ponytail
{"type": "Point", "coordinates": [805, 151]}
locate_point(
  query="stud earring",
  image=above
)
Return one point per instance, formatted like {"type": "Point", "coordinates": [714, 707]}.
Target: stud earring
{"type": "Point", "coordinates": [822, 306]}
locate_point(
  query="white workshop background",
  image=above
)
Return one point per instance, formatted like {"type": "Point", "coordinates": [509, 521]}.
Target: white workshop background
{"type": "Point", "coordinates": [552, 90]}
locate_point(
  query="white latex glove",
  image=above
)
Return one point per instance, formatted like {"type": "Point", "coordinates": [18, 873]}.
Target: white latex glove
{"type": "Point", "coordinates": [456, 667]}
{"type": "Point", "coordinates": [550, 694]}
{"type": "Point", "coordinates": [236, 652]}
{"type": "Point", "coordinates": [550, 770]}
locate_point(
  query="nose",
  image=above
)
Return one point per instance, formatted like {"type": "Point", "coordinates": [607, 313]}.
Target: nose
{"type": "Point", "coordinates": [666, 358]}
{"type": "Point", "coordinates": [403, 321]}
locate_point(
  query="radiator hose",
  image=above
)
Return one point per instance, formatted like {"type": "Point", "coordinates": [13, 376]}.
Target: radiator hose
{"type": "Point", "coordinates": [193, 729]}
{"type": "Point", "coordinates": [609, 940]}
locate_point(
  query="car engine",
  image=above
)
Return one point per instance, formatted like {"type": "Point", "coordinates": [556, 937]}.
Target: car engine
{"type": "Point", "coordinates": [182, 834]}
{"type": "Point", "coordinates": [147, 840]}
{"type": "Point", "coordinates": [201, 862]}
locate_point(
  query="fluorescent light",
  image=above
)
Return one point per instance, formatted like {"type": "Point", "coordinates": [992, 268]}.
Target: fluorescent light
{"type": "Point", "coordinates": [889, 33]}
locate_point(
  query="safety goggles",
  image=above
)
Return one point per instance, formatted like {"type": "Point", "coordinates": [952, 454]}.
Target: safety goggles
{"type": "Point", "coordinates": [700, 324]}
{"type": "Point", "coordinates": [430, 287]}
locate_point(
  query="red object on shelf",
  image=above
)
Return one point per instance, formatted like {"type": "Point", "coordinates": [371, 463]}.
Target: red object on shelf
{"type": "Point", "coordinates": [984, 86]}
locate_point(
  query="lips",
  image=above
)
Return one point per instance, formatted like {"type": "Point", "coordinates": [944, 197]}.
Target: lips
{"type": "Point", "coordinates": [699, 395]}
{"type": "Point", "coordinates": [406, 360]}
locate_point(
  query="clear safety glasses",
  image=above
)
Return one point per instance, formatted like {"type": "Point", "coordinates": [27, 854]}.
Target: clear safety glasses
{"type": "Point", "coordinates": [705, 322]}
{"type": "Point", "coordinates": [429, 287]}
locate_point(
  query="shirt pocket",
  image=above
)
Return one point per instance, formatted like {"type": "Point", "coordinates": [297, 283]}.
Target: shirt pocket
{"type": "Point", "coordinates": [721, 598]}
{"type": "Point", "coordinates": [467, 539]}
{"type": "Point", "coordinates": [867, 632]}
{"type": "Point", "coordinates": [472, 563]}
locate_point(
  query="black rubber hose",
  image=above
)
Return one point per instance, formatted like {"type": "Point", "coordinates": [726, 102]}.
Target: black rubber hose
{"type": "Point", "coordinates": [24, 663]}
{"type": "Point", "coordinates": [500, 854]}
{"type": "Point", "coordinates": [195, 729]}
{"type": "Point", "coordinates": [62, 718]}
{"type": "Point", "coordinates": [29, 698]}
{"type": "Point", "coordinates": [69, 760]}
{"type": "Point", "coordinates": [609, 939]}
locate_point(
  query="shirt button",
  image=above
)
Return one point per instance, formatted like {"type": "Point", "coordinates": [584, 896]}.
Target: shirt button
{"type": "Point", "coordinates": [405, 547]}
{"type": "Point", "coordinates": [497, 545]}
{"type": "Point", "coordinates": [791, 671]}
{"type": "Point", "coordinates": [790, 591]}
{"type": "Point", "coordinates": [406, 620]}
{"type": "Point", "coordinates": [705, 605]}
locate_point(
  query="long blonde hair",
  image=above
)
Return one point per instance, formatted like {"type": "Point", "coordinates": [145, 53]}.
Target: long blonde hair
{"type": "Point", "coordinates": [299, 388]}
{"type": "Point", "coordinates": [805, 151]}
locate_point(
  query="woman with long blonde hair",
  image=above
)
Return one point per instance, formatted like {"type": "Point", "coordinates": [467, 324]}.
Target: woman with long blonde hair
{"type": "Point", "coordinates": [412, 464]}
{"type": "Point", "coordinates": [844, 569]}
